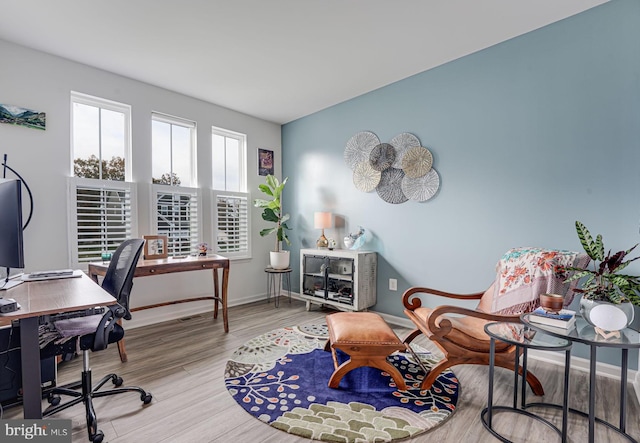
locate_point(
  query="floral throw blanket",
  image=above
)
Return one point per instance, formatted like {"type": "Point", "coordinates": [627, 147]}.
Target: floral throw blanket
{"type": "Point", "coordinates": [525, 273]}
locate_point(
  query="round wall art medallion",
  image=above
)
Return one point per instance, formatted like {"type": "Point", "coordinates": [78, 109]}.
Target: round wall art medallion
{"type": "Point", "coordinates": [399, 171]}
{"type": "Point", "coordinates": [359, 148]}
{"type": "Point", "coordinates": [417, 162]}
{"type": "Point", "coordinates": [382, 156]}
{"type": "Point", "coordinates": [390, 187]}
{"type": "Point", "coordinates": [365, 177]}
{"type": "Point", "coordinates": [403, 142]}
{"type": "Point", "coordinates": [422, 188]}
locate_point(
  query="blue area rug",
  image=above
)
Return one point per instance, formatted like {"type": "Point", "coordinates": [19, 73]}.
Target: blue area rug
{"type": "Point", "coordinates": [281, 378]}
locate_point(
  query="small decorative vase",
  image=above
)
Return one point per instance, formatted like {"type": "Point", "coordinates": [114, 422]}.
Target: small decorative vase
{"type": "Point", "coordinates": [606, 315]}
{"type": "Point", "coordinates": [279, 260]}
{"type": "Point", "coordinates": [348, 242]}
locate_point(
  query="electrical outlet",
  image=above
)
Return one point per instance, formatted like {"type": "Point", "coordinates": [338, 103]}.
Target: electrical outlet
{"type": "Point", "coordinates": [393, 284]}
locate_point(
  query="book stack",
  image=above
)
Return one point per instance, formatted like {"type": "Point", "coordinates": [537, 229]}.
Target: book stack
{"type": "Point", "coordinates": [564, 319]}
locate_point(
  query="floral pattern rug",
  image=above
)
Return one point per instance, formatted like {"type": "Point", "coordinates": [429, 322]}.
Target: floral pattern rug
{"type": "Point", "coordinates": [281, 378]}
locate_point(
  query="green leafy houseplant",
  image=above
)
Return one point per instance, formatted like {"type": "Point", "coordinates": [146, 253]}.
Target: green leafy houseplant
{"type": "Point", "coordinates": [273, 210]}
{"type": "Point", "coordinates": [604, 282]}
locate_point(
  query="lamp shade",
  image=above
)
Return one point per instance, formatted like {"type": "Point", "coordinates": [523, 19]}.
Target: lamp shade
{"type": "Point", "coordinates": [322, 220]}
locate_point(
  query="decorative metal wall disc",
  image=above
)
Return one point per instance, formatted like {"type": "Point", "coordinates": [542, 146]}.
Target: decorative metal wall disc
{"type": "Point", "coordinates": [382, 156]}
{"type": "Point", "coordinates": [390, 187]}
{"type": "Point", "coordinates": [359, 148]}
{"type": "Point", "coordinates": [403, 142]}
{"type": "Point", "coordinates": [365, 177]}
{"type": "Point", "coordinates": [417, 162]}
{"type": "Point", "coordinates": [421, 188]}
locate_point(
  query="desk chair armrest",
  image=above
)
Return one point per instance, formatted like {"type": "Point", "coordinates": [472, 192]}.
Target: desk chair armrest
{"type": "Point", "coordinates": [106, 325]}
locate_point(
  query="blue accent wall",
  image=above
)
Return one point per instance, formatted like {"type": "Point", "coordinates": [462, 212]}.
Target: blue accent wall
{"type": "Point", "coordinates": [527, 136]}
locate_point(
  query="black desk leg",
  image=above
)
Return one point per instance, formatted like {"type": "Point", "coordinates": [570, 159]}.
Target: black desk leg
{"type": "Point", "coordinates": [31, 379]}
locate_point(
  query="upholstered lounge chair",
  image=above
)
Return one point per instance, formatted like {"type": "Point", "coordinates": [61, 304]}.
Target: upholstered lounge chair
{"type": "Point", "coordinates": [461, 339]}
{"type": "Point", "coordinates": [522, 275]}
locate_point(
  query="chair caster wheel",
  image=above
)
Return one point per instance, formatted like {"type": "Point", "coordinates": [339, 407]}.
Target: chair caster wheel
{"type": "Point", "coordinates": [117, 381]}
{"type": "Point", "coordinates": [146, 399]}
{"type": "Point", "coordinates": [54, 400]}
{"type": "Point", "coordinates": [98, 437]}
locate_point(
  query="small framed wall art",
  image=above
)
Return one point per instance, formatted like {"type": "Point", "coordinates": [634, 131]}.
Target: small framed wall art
{"type": "Point", "coordinates": [155, 246]}
{"type": "Point", "coordinates": [16, 115]}
{"type": "Point", "coordinates": [265, 162]}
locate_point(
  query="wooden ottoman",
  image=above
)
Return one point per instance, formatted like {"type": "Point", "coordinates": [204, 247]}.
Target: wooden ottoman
{"type": "Point", "coordinates": [367, 339]}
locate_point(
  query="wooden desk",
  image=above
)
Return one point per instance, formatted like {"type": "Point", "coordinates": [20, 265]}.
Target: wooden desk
{"type": "Point", "coordinates": [39, 298]}
{"type": "Point", "coordinates": [146, 268]}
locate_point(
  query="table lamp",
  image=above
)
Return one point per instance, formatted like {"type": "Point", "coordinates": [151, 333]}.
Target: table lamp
{"type": "Point", "coordinates": [322, 220]}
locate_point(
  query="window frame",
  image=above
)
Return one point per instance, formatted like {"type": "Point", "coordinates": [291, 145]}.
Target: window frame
{"type": "Point", "coordinates": [242, 157]}
{"type": "Point", "coordinates": [102, 103]}
{"type": "Point", "coordinates": [185, 123]}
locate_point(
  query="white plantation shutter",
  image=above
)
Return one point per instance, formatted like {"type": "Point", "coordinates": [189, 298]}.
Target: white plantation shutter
{"type": "Point", "coordinates": [231, 215]}
{"type": "Point", "coordinates": [177, 217]}
{"type": "Point", "coordinates": [100, 216]}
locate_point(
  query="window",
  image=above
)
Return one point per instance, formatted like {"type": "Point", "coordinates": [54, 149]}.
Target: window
{"type": "Point", "coordinates": [100, 197]}
{"type": "Point", "coordinates": [232, 223]}
{"type": "Point", "coordinates": [230, 199]}
{"type": "Point", "coordinates": [101, 215]}
{"type": "Point", "coordinates": [176, 216]}
{"type": "Point", "coordinates": [100, 138]}
{"type": "Point", "coordinates": [173, 151]}
{"type": "Point", "coordinates": [173, 170]}
{"type": "Point", "coordinates": [229, 160]}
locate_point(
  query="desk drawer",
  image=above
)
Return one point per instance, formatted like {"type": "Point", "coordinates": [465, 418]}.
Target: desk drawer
{"type": "Point", "coordinates": [142, 271]}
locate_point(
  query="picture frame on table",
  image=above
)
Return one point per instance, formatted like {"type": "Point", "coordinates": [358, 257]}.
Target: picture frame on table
{"type": "Point", "coordinates": [265, 162]}
{"type": "Point", "coordinates": [155, 247]}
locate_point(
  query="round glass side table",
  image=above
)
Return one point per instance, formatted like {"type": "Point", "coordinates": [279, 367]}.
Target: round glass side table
{"type": "Point", "coordinates": [586, 334]}
{"type": "Point", "coordinates": [524, 338]}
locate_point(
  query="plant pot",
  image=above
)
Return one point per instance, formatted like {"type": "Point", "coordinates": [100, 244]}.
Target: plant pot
{"type": "Point", "coordinates": [606, 315]}
{"type": "Point", "coordinates": [279, 260]}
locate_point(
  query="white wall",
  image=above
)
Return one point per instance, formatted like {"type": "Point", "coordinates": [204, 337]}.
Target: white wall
{"type": "Point", "coordinates": [42, 82]}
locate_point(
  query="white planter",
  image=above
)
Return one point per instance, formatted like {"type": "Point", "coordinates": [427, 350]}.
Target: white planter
{"type": "Point", "coordinates": [605, 315]}
{"type": "Point", "coordinates": [279, 260]}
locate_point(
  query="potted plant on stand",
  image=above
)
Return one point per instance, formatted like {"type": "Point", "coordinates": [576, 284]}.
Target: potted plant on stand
{"type": "Point", "coordinates": [273, 213]}
{"type": "Point", "coordinates": [607, 295]}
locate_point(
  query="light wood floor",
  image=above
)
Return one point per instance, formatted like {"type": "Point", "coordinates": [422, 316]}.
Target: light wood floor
{"type": "Point", "coordinates": [182, 363]}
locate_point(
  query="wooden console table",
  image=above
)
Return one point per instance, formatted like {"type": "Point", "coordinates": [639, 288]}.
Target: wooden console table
{"type": "Point", "coordinates": [146, 268]}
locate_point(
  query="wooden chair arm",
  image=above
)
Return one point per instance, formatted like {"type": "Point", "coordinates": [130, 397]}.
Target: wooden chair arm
{"type": "Point", "coordinates": [415, 303]}
{"type": "Point", "coordinates": [443, 327]}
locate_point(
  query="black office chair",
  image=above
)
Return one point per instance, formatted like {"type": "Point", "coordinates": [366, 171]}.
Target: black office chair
{"type": "Point", "coordinates": [118, 281]}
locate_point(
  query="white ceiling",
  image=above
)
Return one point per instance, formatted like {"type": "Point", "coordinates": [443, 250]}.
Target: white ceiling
{"type": "Point", "coordinates": [274, 59]}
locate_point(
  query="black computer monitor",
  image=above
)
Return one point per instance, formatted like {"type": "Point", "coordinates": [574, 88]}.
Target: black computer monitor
{"type": "Point", "coordinates": [11, 247]}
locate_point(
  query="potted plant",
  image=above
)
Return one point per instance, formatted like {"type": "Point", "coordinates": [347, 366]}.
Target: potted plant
{"type": "Point", "coordinates": [273, 213]}
{"type": "Point", "coordinates": [607, 295]}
